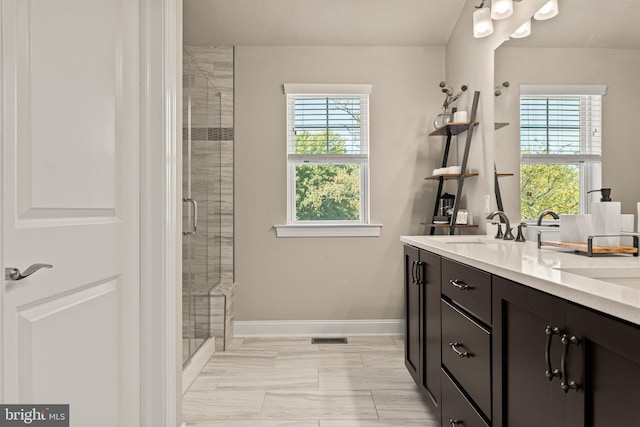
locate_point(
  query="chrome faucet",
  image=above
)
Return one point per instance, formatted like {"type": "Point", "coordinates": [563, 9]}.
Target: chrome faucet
{"type": "Point", "coordinates": [508, 235]}
{"type": "Point", "coordinates": [545, 213]}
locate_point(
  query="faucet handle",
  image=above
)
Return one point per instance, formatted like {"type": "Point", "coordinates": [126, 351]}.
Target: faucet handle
{"type": "Point", "coordinates": [499, 234]}
{"type": "Point", "coordinates": [508, 234]}
{"type": "Point", "coordinates": [520, 237]}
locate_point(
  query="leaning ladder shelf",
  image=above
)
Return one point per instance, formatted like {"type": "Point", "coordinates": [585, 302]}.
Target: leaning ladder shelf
{"type": "Point", "coordinates": [499, 125]}
{"type": "Point", "coordinates": [449, 130]}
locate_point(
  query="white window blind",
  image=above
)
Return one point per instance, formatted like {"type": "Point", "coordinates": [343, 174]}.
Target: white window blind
{"type": "Point", "coordinates": [326, 122]}
{"type": "Point", "coordinates": [560, 128]}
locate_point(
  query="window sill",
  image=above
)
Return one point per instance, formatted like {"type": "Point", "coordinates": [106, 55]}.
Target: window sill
{"type": "Point", "coordinates": [328, 230]}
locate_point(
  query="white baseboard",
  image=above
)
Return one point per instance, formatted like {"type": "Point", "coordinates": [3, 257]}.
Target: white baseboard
{"type": "Point", "coordinates": [318, 328]}
{"type": "Point", "coordinates": [197, 362]}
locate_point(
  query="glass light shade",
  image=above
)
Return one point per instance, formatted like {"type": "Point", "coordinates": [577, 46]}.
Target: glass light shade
{"type": "Point", "coordinates": [548, 11]}
{"type": "Point", "coordinates": [523, 30]}
{"type": "Point", "coordinates": [482, 25]}
{"type": "Point", "coordinates": [501, 9]}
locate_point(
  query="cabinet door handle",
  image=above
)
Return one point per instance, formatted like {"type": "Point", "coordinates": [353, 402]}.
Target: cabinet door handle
{"type": "Point", "coordinates": [413, 272]}
{"type": "Point", "coordinates": [455, 423]}
{"type": "Point", "coordinates": [454, 346]}
{"type": "Point", "coordinates": [460, 284]}
{"type": "Point", "coordinates": [567, 384]}
{"type": "Point", "coordinates": [419, 265]}
{"type": "Point", "coordinates": [550, 373]}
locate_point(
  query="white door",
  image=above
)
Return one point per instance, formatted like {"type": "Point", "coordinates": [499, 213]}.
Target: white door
{"type": "Point", "coordinates": [70, 195]}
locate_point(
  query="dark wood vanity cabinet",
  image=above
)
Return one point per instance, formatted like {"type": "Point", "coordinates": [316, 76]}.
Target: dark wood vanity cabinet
{"type": "Point", "coordinates": [422, 320]}
{"type": "Point", "coordinates": [488, 351]}
{"type": "Point", "coordinates": [559, 364]}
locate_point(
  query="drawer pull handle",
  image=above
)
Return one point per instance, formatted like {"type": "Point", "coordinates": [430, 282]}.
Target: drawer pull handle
{"type": "Point", "coordinates": [454, 346]}
{"type": "Point", "coordinates": [550, 373]}
{"type": "Point", "coordinates": [567, 384]}
{"type": "Point", "coordinates": [460, 284]}
{"type": "Point", "coordinates": [455, 423]}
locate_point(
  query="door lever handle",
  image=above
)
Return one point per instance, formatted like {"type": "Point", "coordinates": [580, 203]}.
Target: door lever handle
{"type": "Point", "coordinates": [14, 274]}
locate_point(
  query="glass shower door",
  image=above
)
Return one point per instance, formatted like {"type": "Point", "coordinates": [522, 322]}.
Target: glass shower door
{"type": "Point", "coordinates": [201, 203]}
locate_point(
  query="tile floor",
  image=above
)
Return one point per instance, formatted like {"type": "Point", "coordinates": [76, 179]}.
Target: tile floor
{"type": "Point", "coordinates": [289, 382]}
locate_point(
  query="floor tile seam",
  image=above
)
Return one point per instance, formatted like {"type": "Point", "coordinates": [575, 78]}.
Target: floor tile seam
{"type": "Point", "coordinates": [375, 406]}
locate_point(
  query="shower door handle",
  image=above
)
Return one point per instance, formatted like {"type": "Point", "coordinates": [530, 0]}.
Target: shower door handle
{"type": "Point", "coordinates": [195, 217]}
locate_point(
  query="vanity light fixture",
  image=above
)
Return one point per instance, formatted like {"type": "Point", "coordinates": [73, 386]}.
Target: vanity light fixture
{"type": "Point", "coordinates": [523, 30]}
{"type": "Point", "coordinates": [482, 24]}
{"type": "Point", "coordinates": [501, 9]}
{"type": "Point", "coordinates": [548, 11]}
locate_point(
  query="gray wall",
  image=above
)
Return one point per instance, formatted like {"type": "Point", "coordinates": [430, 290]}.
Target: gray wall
{"type": "Point", "coordinates": [332, 278]}
{"type": "Point", "coordinates": [618, 69]}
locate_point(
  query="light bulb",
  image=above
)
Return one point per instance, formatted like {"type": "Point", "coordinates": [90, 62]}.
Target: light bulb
{"type": "Point", "coordinates": [523, 30]}
{"type": "Point", "coordinates": [482, 25]}
{"type": "Point", "coordinates": [501, 9]}
{"type": "Point", "coordinates": [548, 11]}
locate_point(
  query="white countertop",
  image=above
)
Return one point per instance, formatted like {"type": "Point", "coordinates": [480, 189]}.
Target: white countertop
{"type": "Point", "coordinates": [617, 292]}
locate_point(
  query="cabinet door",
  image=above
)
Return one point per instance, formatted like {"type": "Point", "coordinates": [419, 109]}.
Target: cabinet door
{"type": "Point", "coordinates": [606, 367]}
{"type": "Point", "coordinates": [430, 282]}
{"type": "Point", "coordinates": [523, 395]}
{"type": "Point", "coordinates": [413, 323]}
{"type": "Point", "coordinates": [422, 317]}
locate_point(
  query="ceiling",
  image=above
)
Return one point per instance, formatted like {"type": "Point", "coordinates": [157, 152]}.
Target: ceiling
{"type": "Point", "coordinates": [580, 23]}
{"type": "Point", "coordinates": [320, 22]}
{"type": "Point", "coordinates": [588, 24]}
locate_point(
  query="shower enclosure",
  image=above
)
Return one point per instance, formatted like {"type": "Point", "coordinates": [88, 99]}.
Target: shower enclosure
{"type": "Point", "coordinates": [201, 241]}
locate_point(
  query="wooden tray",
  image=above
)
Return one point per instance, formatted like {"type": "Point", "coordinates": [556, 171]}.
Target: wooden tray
{"type": "Point", "coordinates": [590, 250]}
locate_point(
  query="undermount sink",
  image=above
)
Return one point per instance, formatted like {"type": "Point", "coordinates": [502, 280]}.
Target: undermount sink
{"type": "Point", "coordinates": [471, 240]}
{"type": "Point", "coordinates": [628, 276]}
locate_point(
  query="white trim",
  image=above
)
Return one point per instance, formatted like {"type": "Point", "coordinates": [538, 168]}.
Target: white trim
{"type": "Point", "coordinates": [159, 397]}
{"type": "Point", "coordinates": [318, 328]}
{"type": "Point", "coordinates": [328, 230]}
{"type": "Point", "coordinates": [323, 159]}
{"type": "Point", "coordinates": [294, 160]}
{"type": "Point", "coordinates": [551, 159]}
{"type": "Point", "coordinates": [197, 362]}
{"type": "Point", "coordinates": [326, 88]}
{"type": "Point", "coordinates": [563, 90]}
{"type": "Point", "coordinates": [4, 140]}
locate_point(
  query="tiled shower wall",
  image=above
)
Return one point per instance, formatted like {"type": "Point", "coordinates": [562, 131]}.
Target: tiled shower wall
{"type": "Point", "coordinates": [218, 65]}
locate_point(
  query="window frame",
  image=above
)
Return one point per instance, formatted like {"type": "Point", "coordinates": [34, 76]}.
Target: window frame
{"type": "Point", "coordinates": [330, 228]}
{"type": "Point", "coordinates": [589, 164]}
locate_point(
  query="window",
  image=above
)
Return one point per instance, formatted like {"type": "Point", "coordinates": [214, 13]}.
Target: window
{"type": "Point", "coordinates": [328, 159]}
{"type": "Point", "coordinates": [560, 147]}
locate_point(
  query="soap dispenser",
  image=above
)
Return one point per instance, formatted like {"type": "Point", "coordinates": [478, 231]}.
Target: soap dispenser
{"type": "Point", "coordinates": [605, 194]}
{"type": "Point", "coordinates": [605, 219]}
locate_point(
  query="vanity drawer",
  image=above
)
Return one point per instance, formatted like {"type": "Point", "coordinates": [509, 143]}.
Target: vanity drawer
{"type": "Point", "coordinates": [466, 353]}
{"type": "Point", "coordinates": [469, 287]}
{"type": "Point", "coordinates": [456, 407]}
